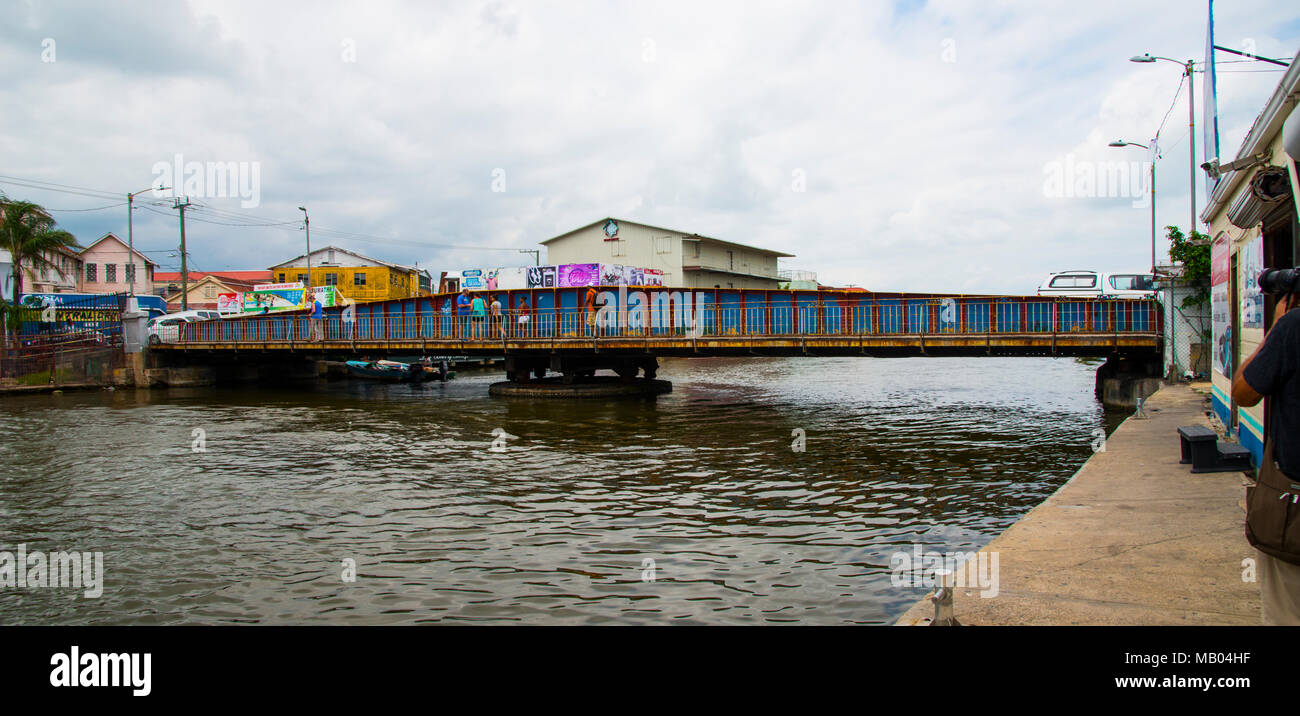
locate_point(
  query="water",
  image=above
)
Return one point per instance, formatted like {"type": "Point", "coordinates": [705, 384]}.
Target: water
{"type": "Point", "coordinates": [741, 528]}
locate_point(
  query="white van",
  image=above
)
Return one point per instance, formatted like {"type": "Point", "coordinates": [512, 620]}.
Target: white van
{"type": "Point", "coordinates": [1091, 284]}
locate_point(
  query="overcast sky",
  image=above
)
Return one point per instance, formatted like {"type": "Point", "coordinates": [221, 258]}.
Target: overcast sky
{"type": "Point", "coordinates": [901, 145]}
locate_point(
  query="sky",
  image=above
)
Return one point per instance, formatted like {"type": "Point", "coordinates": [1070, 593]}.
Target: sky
{"type": "Point", "coordinates": [898, 146]}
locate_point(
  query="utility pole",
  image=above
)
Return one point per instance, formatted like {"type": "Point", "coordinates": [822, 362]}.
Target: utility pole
{"type": "Point", "coordinates": [130, 238]}
{"type": "Point", "coordinates": [537, 255]}
{"type": "Point", "coordinates": [1191, 142]}
{"type": "Point", "coordinates": [306, 225]}
{"type": "Point", "coordinates": [185, 271]}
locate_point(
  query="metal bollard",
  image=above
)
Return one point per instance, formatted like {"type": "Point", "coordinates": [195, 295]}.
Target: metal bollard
{"type": "Point", "coordinates": [1140, 413]}
{"type": "Point", "coordinates": [945, 582]}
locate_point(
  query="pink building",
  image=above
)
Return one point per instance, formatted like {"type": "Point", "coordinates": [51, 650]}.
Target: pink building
{"type": "Point", "coordinates": [107, 267]}
{"type": "Point", "coordinates": [65, 280]}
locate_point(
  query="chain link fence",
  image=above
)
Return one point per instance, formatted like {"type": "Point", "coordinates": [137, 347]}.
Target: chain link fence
{"type": "Point", "coordinates": [1188, 332]}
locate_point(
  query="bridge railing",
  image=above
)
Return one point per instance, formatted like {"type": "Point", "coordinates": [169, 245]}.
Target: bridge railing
{"type": "Point", "coordinates": [877, 316]}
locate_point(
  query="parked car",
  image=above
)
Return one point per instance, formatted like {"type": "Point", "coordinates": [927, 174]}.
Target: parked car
{"type": "Point", "coordinates": [1091, 284]}
{"type": "Point", "coordinates": [166, 329]}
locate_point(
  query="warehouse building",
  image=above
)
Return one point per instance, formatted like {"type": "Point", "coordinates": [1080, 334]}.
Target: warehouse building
{"type": "Point", "coordinates": [687, 260]}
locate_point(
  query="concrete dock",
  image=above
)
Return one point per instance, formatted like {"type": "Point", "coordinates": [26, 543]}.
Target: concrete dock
{"type": "Point", "coordinates": [1133, 538]}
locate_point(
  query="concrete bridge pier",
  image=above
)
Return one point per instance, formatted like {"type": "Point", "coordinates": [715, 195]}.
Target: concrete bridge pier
{"type": "Point", "coordinates": [1124, 380]}
{"type": "Point", "coordinates": [178, 370]}
{"type": "Point", "coordinates": [526, 374]}
{"type": "Point", "coordinates": [529, 367]}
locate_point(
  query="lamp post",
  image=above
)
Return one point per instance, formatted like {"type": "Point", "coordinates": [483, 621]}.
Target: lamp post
{"type": "Point", "coordinates": [1122, 143]}
{"type": "Point", "coordinates": [130, 237]}
{"type": "Point", "coordinates": [306, 225]}
{"type": "Point", "coordinates": [1189, 67]}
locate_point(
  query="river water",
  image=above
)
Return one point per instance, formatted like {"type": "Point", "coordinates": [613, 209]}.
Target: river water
{"type": "Point", "coordinates": [243, 505]}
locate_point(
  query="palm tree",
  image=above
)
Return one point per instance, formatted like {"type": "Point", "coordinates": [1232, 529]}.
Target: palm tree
{"type": "Point", "coordinates": [28, 233]}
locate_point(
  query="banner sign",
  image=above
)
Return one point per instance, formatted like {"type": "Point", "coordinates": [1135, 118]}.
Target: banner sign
{"type": "Point", "coordinates": [541, 277]}
{"type": "Point", "coordinates": [576, 275]}
{"type": "Point", "coordinates": [280, 297]}
{"type": "Point", "coordinates": [1252, 299]}
{"type": "Point", "coordinates": [1220, 319]}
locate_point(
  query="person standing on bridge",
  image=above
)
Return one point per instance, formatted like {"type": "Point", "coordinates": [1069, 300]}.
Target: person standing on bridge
{"type": "Point", "coordinates": [478, 315]}
{"type": "Point", "coordinates": [317, 320]}
{"type": "Point", "coordinates": [590, 303]}
{"type": "Point", "coordinates": [1272, 519]}
{"type": "Point", "coordinates": [498, 321]}
{"type": "Point", "coordinates": [524, 317]}
{"type": "Point", "coordinates": [462, 312]}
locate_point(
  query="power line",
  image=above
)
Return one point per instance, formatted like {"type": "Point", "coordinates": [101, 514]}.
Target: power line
{"type": "Point", "coordinates": [1177, 93]}
{"type": "Point", "coordinates": [240, 219]}
{"type": "Point", "coordinates": [97, 208]}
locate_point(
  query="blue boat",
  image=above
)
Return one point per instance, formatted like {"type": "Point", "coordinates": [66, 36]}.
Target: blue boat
{"type": "Point", "coordinates": [397, 372]}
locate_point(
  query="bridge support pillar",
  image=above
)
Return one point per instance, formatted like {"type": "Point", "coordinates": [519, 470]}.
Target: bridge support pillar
{"type": "Point", "coordinates": [579, 367]}
{"type": "Point", "coordinates": [1124, 380]}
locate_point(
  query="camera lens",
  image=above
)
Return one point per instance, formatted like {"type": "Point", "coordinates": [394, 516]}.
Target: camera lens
{"type": "Point", "coordinates": [1276, 281]}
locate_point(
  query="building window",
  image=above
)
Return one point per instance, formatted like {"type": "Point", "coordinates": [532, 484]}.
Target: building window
{"type": "Point", "coordinates": [90, 273]}
{"type": "Point", "coordinates": [129, 270]}
{"type": "Point", "coordinates": [302, 277]}
{"type": "Point", "coordinates": [45, 273]}
{"type": "Point", "coordinates": [209, 291]}
{"type": "Point", "coordinates": [281, 278]}
{"type": "Point", "coordinates": [331, 279]}
{"type": "Point", "coordinates": [110, 273]}
{"type": "Point", "coordinates": [617, 248]}
{"type": "Point", "coordinates": [664, 245]}
{"type": "Point", "coordinates": [359, 278]}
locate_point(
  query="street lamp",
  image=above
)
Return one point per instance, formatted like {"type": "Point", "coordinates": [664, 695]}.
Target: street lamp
{"type": "Point", "coordinates": [306, 225]}
{"type": "Point", "coordinates": [1188, 68]}
{"type": "Point", "coordinates": [130, 237]}
{"type": "Point", "coordinates": [1122, 143]}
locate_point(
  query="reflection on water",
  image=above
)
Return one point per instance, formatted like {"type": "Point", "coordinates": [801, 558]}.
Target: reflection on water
{"type": "Point", "coordinates": [741, 528]}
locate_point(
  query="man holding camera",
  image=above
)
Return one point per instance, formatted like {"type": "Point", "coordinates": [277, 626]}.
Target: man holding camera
{"type": "Point", "coordinates": [1273, 503]}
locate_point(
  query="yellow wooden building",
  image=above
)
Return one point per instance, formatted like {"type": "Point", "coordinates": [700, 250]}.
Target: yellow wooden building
{"type": "Point", "coordinates": [360, 278]}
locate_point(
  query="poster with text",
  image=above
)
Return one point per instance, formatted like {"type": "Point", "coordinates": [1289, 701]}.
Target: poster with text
{"type": "Point", "coordinates": [1252, 299]}
{"type": "Point", "coordinates": [274, 297]}
{"type": "Point", "coordinates": [229, 303]}
{"type": "Point", "coordinates": [575, 275]}
{"type": "Point", "coordinates": [473, 279]}
{"type": "Point", "coordinates": [612, 275]}
{"type": "Point", "coordinates": [1220, 319]}
{"type": "Point", "coordinates": [541, 277]}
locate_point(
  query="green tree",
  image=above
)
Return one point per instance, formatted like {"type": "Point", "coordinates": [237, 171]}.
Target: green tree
{"type": "Point", "coordinates": [28, 233]}
{"type": "Point", "coordinates": [1194, 253]}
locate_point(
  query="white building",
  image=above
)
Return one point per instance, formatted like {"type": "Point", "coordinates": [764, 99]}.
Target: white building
{"type": "Point", "coordinates": [687, 260]}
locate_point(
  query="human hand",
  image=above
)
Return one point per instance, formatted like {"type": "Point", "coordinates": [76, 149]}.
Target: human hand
{"type": "Point", "coordinates": [1285, 303]}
